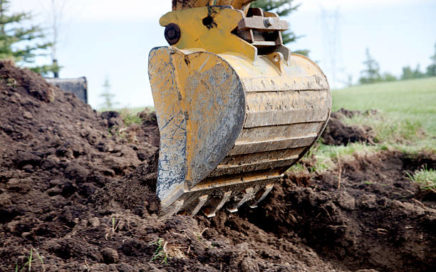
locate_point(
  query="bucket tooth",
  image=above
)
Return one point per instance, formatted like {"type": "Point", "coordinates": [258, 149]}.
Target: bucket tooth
{"type": "Point", "coordinates": [175, 208]}
{"type": "Point", "coordinates": [248, 194]}
{"type": "Point", "coordinates": [201, 201]}
{"type": "Point", "coordinates": [261, 195]}
{"type": "Point", "coordinates": [216, 205]}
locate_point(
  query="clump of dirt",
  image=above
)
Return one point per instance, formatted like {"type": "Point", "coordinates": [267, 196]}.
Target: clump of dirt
{"type": "Point", "coordinates": [338, 133]}
{"type": "Point", "coordinates": [344, 113]}
{"type": "Point", "coordinates": [77, 192]}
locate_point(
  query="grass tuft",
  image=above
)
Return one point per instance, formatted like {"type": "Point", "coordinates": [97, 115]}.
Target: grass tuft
{"type": "Point", "coordinates": [426, 178]}
{"type": "Point", "coordinates": [160, 252]}
{"type": "Point", "coordinates": [131, 116]}
{"type": "Point", "coordinates": [27, 266]}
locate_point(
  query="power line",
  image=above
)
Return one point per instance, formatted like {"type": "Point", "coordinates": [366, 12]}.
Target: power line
{"type": "Point", "coordinates": [330, 24]}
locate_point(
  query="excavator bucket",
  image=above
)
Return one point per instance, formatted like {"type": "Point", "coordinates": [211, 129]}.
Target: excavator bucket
{"type": "Point", "coordinates": [235, 108]}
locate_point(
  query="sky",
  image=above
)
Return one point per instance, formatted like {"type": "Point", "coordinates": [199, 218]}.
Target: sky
{"type": "Point", "coordinates": [111, 39]}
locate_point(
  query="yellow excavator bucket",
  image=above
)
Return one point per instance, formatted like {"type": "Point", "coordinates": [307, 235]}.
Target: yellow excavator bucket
{"type": "Point", "coordinates": [235, 108]}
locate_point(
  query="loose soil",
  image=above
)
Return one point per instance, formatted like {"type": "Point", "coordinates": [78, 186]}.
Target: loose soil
{"type": "Point", "coordinates": [77, 194]}
{"type": "Point", "coordinates": [338, 133]}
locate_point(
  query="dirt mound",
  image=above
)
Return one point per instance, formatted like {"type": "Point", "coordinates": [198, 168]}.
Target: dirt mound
{"type": "Point", "coordinates": [366, 214]}
{"type": "Point", "coordinates": [60, 170]}
{"type": "Point", "coordinates": [77, 193]}
{"type": "Point", "coordinates": [338, 133]}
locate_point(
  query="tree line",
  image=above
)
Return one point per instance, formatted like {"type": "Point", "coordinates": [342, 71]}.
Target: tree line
{"type": "Point", "coordinates": [371, 73]}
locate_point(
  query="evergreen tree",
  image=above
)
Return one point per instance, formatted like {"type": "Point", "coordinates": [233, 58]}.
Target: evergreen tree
{"type": "Point", "coordinates": [431, 69]}
{"type": "Point", "coordinates": [409, 73]}
{"type": "Point", "coordinates": [107, 96]}
{"type": "Point", "coordinates": [417, 73]}
{"type": "Point", "coordinates": [20, 43]}
{"type": "Point", "coordinates": [371, 73]}
{"type": "Point", "coordinates": [282, 8]}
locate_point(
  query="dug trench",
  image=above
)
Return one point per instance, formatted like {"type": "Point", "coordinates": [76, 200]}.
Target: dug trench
{"type": "Point", "coordinates": [77, 193]}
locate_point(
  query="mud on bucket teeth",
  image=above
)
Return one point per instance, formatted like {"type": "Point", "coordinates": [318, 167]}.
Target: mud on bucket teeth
{"type": "Point", "coordinates": [235, 108]}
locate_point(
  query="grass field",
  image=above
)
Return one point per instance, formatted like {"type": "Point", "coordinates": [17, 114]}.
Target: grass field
{"type": "Point", "coordinates": [408, 100]}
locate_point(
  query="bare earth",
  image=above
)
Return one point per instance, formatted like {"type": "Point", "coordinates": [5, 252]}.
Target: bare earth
{"type": "Point", "coordinates": [77, 192]}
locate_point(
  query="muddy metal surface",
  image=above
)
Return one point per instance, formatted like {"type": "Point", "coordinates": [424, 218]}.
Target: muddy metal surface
{"type": "Point", "coordinates": [77, 191]}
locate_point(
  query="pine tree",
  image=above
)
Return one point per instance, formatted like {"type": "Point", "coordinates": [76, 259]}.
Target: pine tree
{"type": "Point", "coordinates": [417, 72]}
{"type": "Point", "coordinates": [282, 8]}
{"type": "Point", "coordinates": [371, 73]}
{"type": "Point", "coordinates": [107, 96]}
{"type": "Point", "coordinates": [409, 73]}
{"type": "Point", "coordinates": [431, 69]}
{"type": "Point", "coordinates": [21, 43]}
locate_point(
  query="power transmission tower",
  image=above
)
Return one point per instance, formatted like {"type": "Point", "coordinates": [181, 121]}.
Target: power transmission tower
{"type": "Point", "coordinates": [330, 23]}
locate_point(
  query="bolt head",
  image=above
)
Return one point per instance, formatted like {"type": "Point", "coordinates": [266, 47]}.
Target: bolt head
{"type": "Point", "coordinates": [267, 22]}
{"type": "Point", "coordinates": [172, 33]}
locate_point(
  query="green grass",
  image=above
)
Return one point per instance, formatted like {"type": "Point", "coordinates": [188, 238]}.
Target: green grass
{"type": "Point", "coordinates": [129, 115]}
{"type": "Point", "coordinates": [27, 266]}
{"type": "Point", "coordinates": [407, 119]}
{"type": "Point", "coordinates": [409, 100]}
{"type": "Point", "coordinates": [426, 178]}
{"type": "Point", "coordinates": [160, 252]}
{"type": "Point", "coordinates": [327, 156]}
